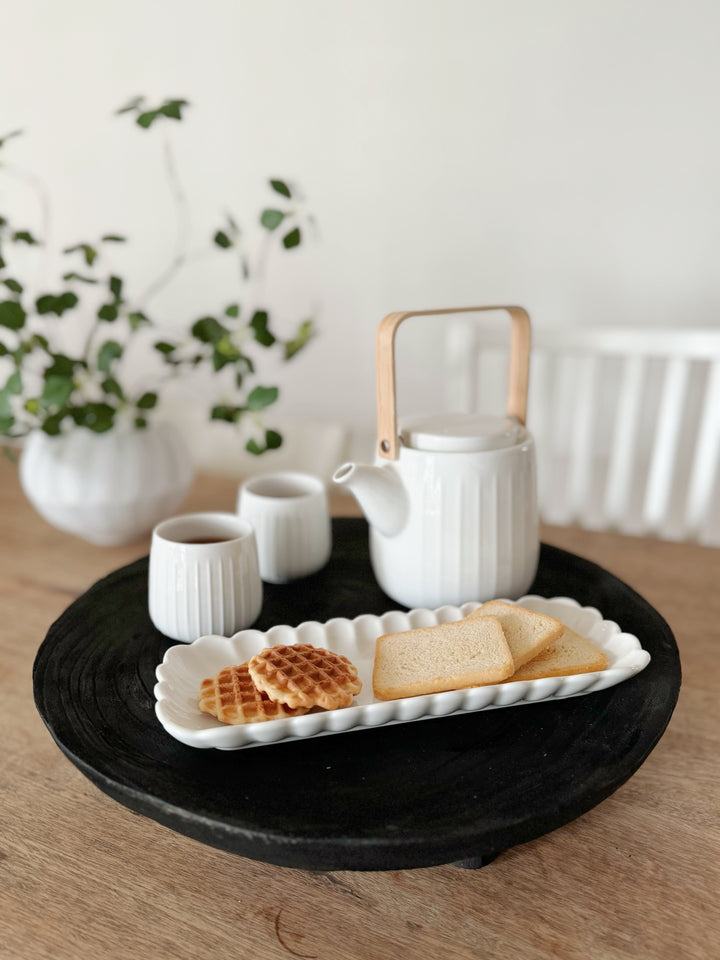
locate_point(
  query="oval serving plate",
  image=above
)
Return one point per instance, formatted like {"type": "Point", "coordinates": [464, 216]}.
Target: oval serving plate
{"type": "Point", "coordinates": [186, 665]}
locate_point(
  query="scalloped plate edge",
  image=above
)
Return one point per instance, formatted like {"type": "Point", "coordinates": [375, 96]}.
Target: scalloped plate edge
{"type": "Point", "coordinates": [186, 665]}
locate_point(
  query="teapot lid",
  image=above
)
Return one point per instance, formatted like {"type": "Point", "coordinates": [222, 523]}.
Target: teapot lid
{"type": "Point", "coordinates": [460, 432]}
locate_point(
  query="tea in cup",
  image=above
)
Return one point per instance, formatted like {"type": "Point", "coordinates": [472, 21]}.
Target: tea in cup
{"type": "Point", "coordinates": [204, 576]}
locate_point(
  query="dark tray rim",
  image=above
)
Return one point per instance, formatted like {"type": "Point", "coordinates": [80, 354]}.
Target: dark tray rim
{"type": "Point", "coordinates": [344, 851]}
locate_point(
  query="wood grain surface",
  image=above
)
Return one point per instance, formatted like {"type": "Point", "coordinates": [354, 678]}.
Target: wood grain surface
{"type": "Point", "coordinates": [80, 875]}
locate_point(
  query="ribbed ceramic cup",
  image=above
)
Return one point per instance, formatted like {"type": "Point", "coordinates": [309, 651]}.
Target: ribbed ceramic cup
{"type": "Point", "coordinates": [290, 514]}
{"type": "Point", "coordinates": [204, 576]}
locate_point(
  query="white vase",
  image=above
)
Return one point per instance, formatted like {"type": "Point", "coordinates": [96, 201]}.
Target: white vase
{"type": "Point", "coordinates": [108, 488]}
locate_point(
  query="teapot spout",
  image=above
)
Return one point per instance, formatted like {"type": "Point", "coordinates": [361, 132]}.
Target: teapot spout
{"type": "Point", "coordinates": [380, 493]}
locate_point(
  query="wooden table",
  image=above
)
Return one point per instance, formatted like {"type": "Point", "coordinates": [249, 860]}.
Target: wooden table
{"type": "Point", "coordinates": [81, 876]}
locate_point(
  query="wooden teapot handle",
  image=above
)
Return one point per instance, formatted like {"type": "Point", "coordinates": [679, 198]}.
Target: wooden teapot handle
{"type": "Point", "coordinates": [388, 442]}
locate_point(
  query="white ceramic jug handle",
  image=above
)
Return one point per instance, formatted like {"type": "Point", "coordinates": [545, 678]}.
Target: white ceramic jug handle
{"type": "Point", "coordinates": [387, 437]}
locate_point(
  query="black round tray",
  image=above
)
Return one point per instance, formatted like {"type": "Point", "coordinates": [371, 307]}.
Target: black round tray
{"type": "Point", "coordinates": [457, 789]}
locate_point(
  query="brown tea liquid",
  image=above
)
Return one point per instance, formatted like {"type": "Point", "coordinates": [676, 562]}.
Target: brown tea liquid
{"type": "Point", "coordinates": [208, 540]}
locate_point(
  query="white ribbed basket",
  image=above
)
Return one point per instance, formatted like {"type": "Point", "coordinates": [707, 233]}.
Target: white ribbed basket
{"type": "Point", "coordinates": [108, 488]}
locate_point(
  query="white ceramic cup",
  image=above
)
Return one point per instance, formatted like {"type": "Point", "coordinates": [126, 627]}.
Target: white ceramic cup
{"type": "Point", "coordinates": [290, 514]}
{"type": "Point", "coordinates": [204, 576]}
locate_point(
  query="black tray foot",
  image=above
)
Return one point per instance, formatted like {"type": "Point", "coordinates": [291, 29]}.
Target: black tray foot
{"type": "Point", "coordinates": [474, 863]}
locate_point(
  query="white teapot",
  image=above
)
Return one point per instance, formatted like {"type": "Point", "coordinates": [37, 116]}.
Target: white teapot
{"type": "Point", "coordinates": [452, 498]}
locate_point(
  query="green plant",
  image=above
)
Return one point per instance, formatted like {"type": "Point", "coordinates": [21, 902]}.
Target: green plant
{"type": "Point", "coordinates": [52, 389]}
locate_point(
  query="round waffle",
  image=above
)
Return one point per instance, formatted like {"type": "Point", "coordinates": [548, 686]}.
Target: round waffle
{"type": "Point", "coordinates": [305, 676]}
{"type": "Point", "coordinates": [232, 697]}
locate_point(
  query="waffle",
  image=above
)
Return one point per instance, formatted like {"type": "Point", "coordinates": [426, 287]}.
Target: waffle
{"type": "Point", "coordinates": [232, 697]}
{"type": "Point", "coordinates": [305, 676]}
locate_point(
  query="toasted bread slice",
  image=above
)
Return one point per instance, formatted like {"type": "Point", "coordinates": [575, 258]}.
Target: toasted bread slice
{"type": "Point", "coordinates": [570, 654]}
{"type": "Point", "coordinates": [527, 633]}
{"type": "Point", "coordinates": [450, 656]}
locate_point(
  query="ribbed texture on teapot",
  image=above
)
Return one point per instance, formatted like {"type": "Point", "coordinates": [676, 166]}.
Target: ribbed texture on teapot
{"type": "Point", "coordinates": [472, 530]}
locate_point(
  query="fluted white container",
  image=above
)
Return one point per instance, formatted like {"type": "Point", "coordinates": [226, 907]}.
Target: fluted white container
{"type": "Point", "coordinates": [472, 532]}
{"type": "Point", "coordinates": [203, 576]}
{"type": "Point", "coordinates": [290, 514]}
{"type": "Point", "coordinates": [108, 488]}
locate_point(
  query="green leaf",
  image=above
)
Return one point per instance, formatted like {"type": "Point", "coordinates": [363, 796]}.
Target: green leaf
{"type": "Point", "coordinates": [137, 319]}
{"type": "Point", "coordinates": [262, 397]}
{"type": "Point", "coordinates": [219, 361]}
{"type": "Point", "coordinates": [13, 285]}
{"type": "Point", "coordinates": [227, 413]}
{"type": "Point", "coordinates": [108, 353]}
{"type": "Point", "coordinates": [292, 239]}
{"type": "Point", "coordinates": [208, 330]}
{"type": "Point", "coordinates": [271, 219]}
{"type": "Point", "coordinates": [140, 423]}
{"type": "Point", "coordinates": [170, 108]}
{"type": "Point", "coordinates": [69, 277]}
{"type": "Point", "coordinates": [147, 401]}
{"type": "Point", "coordinates": [173, 109]}
{"type": "Point", "coordinates": [108, 311]}
{"type": "Point", "coordinates": [3, 350]}
{"type": "Point", "coordinates": [306, 331]}
{"type": "Point", "coordinates": [24, 236]}
{"type": "Point", "coordinates": [14, 383]}
{"type": "Point", "coordinates": [57, 392]}
{"type": "Point", "coordinates": [279, 186]}
{"type": "Point", "coordinates": [89, 253]}
{"type": "Point", "coordinates": [61, 366]}
{"type": "Point", "coordinates": [273, 440]}
{"type": "Point", "coordinates": [32, 405]}
{"type": "Point", "coordinates": [57, 304]}
{"type": "Point", "coordinates": [224, 352]}
{"type": "Point", "coordinates": [51, 425]}
{"type": "Point", "coordinates": [113, 238]}
{"type": "Point", "coordinates": [233, 310]}
{"type": "Point", "coordinates": [222, 239]}
{"type": "Point", "coordinates": [259, 324]}
{"type": "Point", "coordinates": [98, 417]}
{"type": "Point", "coordinates": [6, 406]}
{"type": "Point", "coordinates": [12, 315]}
{"type": "Point", "coordinates": [21, 352]}
{"type": "Point", "coordinates": [111, 386]}
{"type": "Point", "coordinates": [116, 286]}
{"type": "Point", "coordinates": [226, 348]}
{"type": "Point", "coordinates": [147, 118]}
{"type": "Point", "coordinates": [164, 348]}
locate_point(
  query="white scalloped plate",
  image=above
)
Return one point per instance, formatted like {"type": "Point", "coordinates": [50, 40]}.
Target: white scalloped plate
{"type": "Point", "coordinates": [186, 665]}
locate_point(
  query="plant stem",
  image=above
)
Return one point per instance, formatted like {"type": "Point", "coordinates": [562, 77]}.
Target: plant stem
{"type": "Point", "coordinates": [183, 217]}
{"type": "Point", "coordinates": [38, 188]}
{"type": "Point", "coordinates": [94, 327]}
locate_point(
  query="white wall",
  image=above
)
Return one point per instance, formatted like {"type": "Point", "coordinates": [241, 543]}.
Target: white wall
{"type": "Point", "coordinates": [561, 155]}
